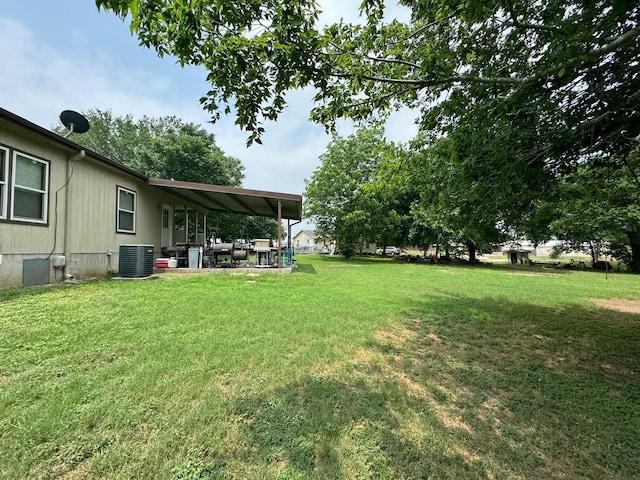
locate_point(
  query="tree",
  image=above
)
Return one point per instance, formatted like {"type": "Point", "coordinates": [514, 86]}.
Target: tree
{"type": "Point", "coordinates": [462, 200]}
{"type": "Point", "coordinates": [163, 147]}
{"type": "Point", "coordinates": [570, 64]}
{"type": "Point", "coordinates": [229, 227]}
{"type": "Point", "coordinates": [456, 60]}
{"type": "Point", "coordinates": [390, 195]}
{"type": "Point", "coordinates": [597, 209]}
{"type": "Point", "coordinates": [254, 50]}
{"type": "Point", "coordinates": [338, 197]}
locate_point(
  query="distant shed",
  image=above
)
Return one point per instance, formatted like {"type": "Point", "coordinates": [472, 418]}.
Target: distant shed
{"type": "Point", "coordinates": [517, 255]}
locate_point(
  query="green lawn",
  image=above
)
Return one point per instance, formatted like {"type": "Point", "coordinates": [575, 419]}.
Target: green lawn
{"type": "Point", "coordinates": [357, 369]}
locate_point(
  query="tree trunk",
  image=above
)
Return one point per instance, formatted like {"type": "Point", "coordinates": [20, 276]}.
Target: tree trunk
{"type": "Point", "coordinates": [594, 257]}
{"type": "Point", "coordinates": [634, 241]}
{"type": "Point", "coordinates": [472, 252]}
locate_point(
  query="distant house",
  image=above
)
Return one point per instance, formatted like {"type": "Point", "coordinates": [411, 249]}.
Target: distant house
{"type": "Point", "coordinates": [64, 210]}
{"type": "Point", "coordinates": [305, 241]}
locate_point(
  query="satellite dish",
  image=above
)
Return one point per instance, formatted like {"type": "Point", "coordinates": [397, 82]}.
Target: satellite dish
{"type": "Point", "coordinates": [75, 122]}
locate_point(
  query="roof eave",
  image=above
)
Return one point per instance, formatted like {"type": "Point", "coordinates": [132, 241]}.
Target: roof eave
{"type": "Point", "coordinates": [65, 142]}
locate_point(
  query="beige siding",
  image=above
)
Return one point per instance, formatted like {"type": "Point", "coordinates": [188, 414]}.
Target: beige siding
{"type": "Point", "coordinates": [93, 209]}
{"type": "Point", "coordinates": [91, 226]}
{"type": "Point", "coordinates": [31, 238]}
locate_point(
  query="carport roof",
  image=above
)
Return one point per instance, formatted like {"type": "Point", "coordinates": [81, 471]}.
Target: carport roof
{"type": "Point", "coordinates": [218, 198]}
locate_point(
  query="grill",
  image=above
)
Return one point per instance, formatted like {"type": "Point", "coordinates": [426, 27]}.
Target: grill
{"type": "Point", "coordinates": [239, 254]}
{"type": "Point", "coordinates": [222, 248]}
{"type": "Point", "coordinates": [228, 251]}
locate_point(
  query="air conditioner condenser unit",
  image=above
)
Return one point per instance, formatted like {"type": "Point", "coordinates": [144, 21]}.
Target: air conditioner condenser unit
{"type": "Point", "coordinates": [135, 261]}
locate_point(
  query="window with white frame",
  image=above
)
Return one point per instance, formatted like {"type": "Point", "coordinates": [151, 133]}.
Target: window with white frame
{"type": "Point", "coordinates": [30, 193]}
{"type": "Point", "coordinates": [4, 173]}
{"type": "Point", "coordinates": [126, 221]}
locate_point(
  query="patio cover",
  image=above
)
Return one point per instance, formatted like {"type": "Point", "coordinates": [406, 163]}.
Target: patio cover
{"type": "Point", "coordinates": [218, 198]}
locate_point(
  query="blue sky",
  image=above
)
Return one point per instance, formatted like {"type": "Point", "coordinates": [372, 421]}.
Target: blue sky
{"type": "Point", "coordinates": [59, 55]}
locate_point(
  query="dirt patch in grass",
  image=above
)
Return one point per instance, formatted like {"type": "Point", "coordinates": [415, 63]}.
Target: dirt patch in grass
{"type": "Point", "coordinates": [626, 306]}
{"type": "Point", "coordinates": [434, 337]}
{"type": "Point", "coordinates": [393, 339]}
{"type": "Point", "coordinates": [5, 379]}
{"type": "Point", "coordinates": [363, 356]}
{"type": "Point", "coordinates": [535, 274]}
{"type": "Point", "coordinates": [81, 471]}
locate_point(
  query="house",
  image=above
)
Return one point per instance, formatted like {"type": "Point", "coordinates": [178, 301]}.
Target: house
{"type": "Point", "coordinates": [65, 210]}
{"type": "Point", "coordinates": [305, 241]}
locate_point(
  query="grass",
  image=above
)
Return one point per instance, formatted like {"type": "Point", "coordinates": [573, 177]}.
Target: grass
{"type": "Point", "coordinates": [357, 369]}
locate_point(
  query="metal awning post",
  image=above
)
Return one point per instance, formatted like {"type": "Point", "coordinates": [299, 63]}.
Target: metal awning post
{"type": "Point", "coordinates": [195, 236]}
{"type": "Point", "coordinates": [186, 224]}
{"type": "Point", "coordinates": [279, 234]}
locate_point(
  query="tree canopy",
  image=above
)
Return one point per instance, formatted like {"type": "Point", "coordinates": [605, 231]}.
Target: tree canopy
{"type": "Point", "coordinates": [164, 147]}
{"type": "Point", "coordinates": [571, 64]}
{"type": "Point", "coordinates": [336, 196]}
{"type": "Point", "coordinates": [361, 192]}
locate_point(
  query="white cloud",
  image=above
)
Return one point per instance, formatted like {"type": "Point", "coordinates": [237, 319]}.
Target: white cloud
{"type": "Point", "coordinates": [401, 126]}
{"type": "Point", "coordinates": [41, 81]}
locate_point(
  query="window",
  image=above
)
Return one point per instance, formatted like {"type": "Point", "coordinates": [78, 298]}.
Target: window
{"type": "Point", "coordinates": [4, 173]}
{"type": "Point", "coordinates": [126, 222]}
{"type": "Point", "coordinates": [30, 189]}
{"type": "Point", "coordinates": [165, 218]}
